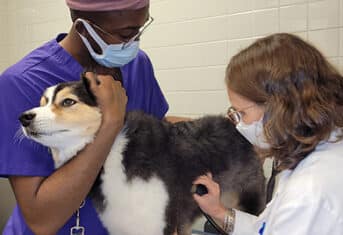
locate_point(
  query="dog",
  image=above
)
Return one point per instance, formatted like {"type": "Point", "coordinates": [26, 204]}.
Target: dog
{"type": "Point", "coordinates": [145, 184]}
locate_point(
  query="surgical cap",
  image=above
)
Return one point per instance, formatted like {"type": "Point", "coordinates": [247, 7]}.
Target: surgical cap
{"type": "Point", "coordinates": [106, 5]}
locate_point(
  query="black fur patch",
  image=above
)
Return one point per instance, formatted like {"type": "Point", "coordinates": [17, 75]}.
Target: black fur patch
{"type": "Point", "coordinates": [179, 153]}
{"type": "Point", "coordinates": [81, 89]}
{"type": "Point", "coordinates": [90, 94]}
{"type": "Point", "coordinates": [60, 87]}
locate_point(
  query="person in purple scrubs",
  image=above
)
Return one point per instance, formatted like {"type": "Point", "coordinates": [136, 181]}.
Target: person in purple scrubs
{"type": "Point", "coordinates": [103, 39]}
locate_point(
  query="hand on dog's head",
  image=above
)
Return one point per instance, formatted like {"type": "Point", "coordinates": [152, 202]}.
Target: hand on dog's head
{"type": "Point", "coordinates": [87, 84]}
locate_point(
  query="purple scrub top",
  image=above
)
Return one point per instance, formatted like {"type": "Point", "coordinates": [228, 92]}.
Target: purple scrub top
{"type": "Point", "coordinates": [21, 87]}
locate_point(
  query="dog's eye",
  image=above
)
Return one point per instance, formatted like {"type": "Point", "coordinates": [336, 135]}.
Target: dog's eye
{"type": "Point", "coordinates": [68, 102]}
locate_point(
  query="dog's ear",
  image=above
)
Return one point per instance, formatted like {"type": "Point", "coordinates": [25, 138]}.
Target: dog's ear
{"type": "Point", "coordinates": [88, 91]}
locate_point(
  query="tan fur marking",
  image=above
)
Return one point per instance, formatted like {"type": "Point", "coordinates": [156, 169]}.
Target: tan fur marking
{"type": "Point", "coordinates": [43, 101]}
{"type": "Point", "coordinates": [60, 96]}
{"type": "Point", "coordinates": [78, 115]}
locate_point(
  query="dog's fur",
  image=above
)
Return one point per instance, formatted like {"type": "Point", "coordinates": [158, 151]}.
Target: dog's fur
{"type": "Point", "coordinates": [144, 187]}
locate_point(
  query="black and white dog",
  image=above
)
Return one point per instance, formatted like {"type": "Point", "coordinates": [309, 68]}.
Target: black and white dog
{"type": "Point", "coordinates": [144, 187]}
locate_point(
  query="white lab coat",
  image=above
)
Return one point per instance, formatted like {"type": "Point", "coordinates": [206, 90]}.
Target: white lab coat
{"type": "Point", "coordinates": [307, 201]}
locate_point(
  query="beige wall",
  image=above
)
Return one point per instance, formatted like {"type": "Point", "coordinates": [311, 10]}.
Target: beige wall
{"type": "Point", "coordinates": [190, 42]}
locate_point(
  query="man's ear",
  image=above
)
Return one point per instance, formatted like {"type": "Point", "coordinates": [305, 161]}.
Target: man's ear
{"type": "Point", "coordinates": [86, 85]}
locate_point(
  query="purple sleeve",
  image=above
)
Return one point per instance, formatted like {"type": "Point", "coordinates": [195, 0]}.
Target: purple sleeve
{"type": "Point", "coordinates": [142, 88]}
{"type": "Point", "coordinates": [158, 103]}
{"type": "Point", "coordinates": [18, 155]}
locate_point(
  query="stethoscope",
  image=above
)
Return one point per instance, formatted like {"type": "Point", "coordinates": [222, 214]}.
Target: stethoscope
{"type": "Point", "coordinates": [201, 190]}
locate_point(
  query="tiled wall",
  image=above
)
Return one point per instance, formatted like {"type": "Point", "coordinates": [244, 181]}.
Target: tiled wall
{"type": "Point", "coordinates": [33, 22]}
{"type": "Point", "coordinates": [190, 42]}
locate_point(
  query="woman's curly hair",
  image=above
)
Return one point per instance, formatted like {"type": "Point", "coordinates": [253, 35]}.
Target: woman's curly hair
{"type": "Point", "coordinates": [302, 94]}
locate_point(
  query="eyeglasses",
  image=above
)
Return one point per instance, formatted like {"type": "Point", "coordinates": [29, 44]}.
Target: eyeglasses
{"type": "Point", "coordinates": [126, 43]}
{"type": "Point", "coordinates": [236, 116]}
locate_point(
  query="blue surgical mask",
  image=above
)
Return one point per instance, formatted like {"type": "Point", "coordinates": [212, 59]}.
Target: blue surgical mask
{"type": "Point", "coordinates": [253, 133]}
{"type": "Point", "coordinates": [113, 55]}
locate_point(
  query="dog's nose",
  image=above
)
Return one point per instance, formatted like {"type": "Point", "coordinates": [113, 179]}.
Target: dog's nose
{"type": "Point", "coordinates": [26, 119]}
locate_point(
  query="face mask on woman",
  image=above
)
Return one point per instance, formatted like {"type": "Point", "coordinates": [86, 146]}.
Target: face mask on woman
{"type": "Point", "coordinates": [113, 55]}
{"type": "Point", "coordinates": [253, 132]}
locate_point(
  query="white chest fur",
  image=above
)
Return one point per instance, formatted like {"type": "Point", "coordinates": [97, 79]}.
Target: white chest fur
{"type": "Point", "coordinates": [132, 208]}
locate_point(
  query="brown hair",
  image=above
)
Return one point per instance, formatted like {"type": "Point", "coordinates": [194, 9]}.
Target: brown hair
{"type": "Point", "coordinates": [301, 92]}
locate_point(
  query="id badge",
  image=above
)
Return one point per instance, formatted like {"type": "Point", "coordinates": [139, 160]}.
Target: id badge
{"type": "Point", "coordinates": [77, 230]}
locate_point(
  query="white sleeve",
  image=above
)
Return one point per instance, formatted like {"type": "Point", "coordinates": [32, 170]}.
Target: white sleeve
{"type": "Point", "coordinates": [299, 216]}
{"type": "Point", "coordinates": [305, 217]}
{"type": "Point", "coordinates": [245, 224]}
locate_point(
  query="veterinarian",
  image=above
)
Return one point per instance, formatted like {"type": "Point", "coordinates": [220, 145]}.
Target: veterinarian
{"type": "Point", "coordinates": [287, 100]}
{"type": "Point", "coordinates": [103, 39]}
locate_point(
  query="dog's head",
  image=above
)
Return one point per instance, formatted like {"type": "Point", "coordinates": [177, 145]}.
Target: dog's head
{"type": "Point", "coordinates": [67, 117]}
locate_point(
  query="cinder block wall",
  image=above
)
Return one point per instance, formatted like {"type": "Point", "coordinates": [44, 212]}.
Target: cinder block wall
{"type": "Point", "coordinates": [190, 42]}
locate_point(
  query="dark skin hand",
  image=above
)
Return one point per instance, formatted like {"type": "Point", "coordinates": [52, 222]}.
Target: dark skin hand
{"type": "Point", "coordinates": [48, 202]}
{"type": "Point", "coordinates": [122, 25]}
{"type": "Point", "coordinates": [175, 119]}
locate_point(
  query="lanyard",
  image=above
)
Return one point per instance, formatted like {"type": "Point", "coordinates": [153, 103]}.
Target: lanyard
{"type": "Point", "coordinates": [271, 182]}
{"type": "Point", "coordinates": [77, 229]}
